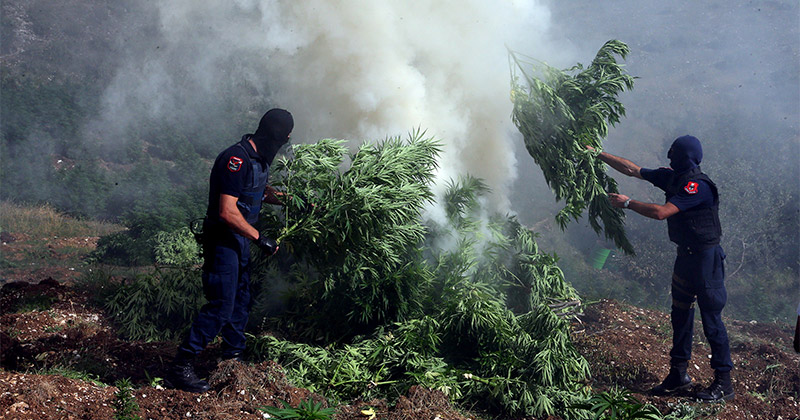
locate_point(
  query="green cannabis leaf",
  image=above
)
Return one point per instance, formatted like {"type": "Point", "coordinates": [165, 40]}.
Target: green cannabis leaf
{"type": "Point", "coordinates": [559, 113]}
{"type": "Point", "coordinates": [306, 410]}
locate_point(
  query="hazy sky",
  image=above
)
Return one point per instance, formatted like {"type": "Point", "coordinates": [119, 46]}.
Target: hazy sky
{"type": "Point", "coordinates": [367, 70]}
{"type": "Point", "coordinates": [354, 70]}
{"type": "Point", "coordinates": [701, 67]}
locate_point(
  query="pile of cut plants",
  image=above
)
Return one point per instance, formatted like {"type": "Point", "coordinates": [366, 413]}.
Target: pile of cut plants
{"type": "Point", "coordinates": [365, 300]}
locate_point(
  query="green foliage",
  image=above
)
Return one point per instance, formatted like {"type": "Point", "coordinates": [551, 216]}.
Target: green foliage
{"type": "Point", "coordinates": [30, 303]}
{"type": "Point", "coordinates": [123, 248]}
{"type": "Point", "coordinates": [360, 239]}
{"type": "Point", "coordinates": [481, 314]}
{"type": "Point", "coordinates": [689, 411]}
{"type": "Point", "coordinates": [157, 306]}
{"type": "Point", "coordinates": [384, 365]}
{"type": "Point", "coordinates": [157, 234]}
{"type": "Point", "coordinates": [125, 405]}
{"type": "Point", "coordinates": [494, 295]}
{"type": "Point", "coordinates": [619, 404]}
{"type": "Point", "coordinates": [487, 320]}
{"type": "Point", "coordinates": [559, 113]}
{"type": "Point", "coordinates": [306, 410]}
{"type": "Point", "coordinates": [72, 373]}
{"type": "Point", "coordinates": [53, 106]}
{"type": "Point", "coordinates": [177, 248]}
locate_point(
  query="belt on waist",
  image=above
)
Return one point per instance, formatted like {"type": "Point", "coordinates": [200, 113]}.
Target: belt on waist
{"type": "Point", "coordinates": [693, 249]}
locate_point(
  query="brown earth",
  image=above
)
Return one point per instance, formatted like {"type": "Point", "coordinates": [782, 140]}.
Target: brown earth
{"type": "Point", "coordinates": [629, 347]}
{"type": "Point", "coordinates": [72, 333]}
{"type": "Point", "coordinates": [32, 259]}
{"type": "Point", "coordinates": [626, 347]}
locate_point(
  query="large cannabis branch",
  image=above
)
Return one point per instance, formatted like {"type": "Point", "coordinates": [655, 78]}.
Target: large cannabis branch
{"type": "Point", "coordinates": [559, 113]}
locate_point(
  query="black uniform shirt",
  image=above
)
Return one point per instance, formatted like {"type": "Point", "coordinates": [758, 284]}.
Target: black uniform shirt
{"type": "Point", "coordinates": [696, 193]}
{"type": "Point", "coordinates": [230, 173]}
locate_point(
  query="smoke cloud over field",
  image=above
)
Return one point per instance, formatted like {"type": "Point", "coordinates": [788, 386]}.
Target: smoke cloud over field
{"type": "Point", "coordinates": [125, 101]}
{"type": "Point", "coordinates": [354, 70]}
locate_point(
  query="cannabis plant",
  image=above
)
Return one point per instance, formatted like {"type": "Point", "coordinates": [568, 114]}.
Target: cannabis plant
{"type": "Point", "coordinates": [158, 305]}
{"type": "Point", "coordinates": [503, 307]}
{"type": "Point", "coordinates": [560, 113]}
{"type": "Point", "coordinates": [125, 405]}
{"type": "Point", "coordinates": [487, 323]}
{"type": "Point", "coordinates": [378, 300]}
{"type": "Point", "coordinates": [306, 410]}
{"type": "Point", "coordinates": [355, 232]}
{"type": "Point", "coordinates": [178, 248]}
{"type": "Point", "coordinates": [619, 404]}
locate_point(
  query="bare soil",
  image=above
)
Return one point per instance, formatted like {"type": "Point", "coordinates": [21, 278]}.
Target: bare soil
{"type": "Point", "coordinates": [629, 347]}
{"type": "Point", "coordinates": [626, 347]}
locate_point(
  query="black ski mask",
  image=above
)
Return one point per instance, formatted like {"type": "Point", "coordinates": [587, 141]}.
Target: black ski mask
{"type": "Point", "coordinates": [685, 154]}
{"type": "Point", "coordinates": [272, 133]}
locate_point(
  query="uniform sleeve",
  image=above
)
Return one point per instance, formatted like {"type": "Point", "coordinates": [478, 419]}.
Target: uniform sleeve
{"type": "Point", "coordinates": [693, 194]}
{"type": "Point", "coordinates": [798, 310]}
{"type": "Point", "coordinates": [660, 177]}
{"type": "Point", "coordinates": [231, 171]}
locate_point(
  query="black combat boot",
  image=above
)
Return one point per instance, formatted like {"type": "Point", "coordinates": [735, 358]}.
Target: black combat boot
{"type": "Point", "coordinates": [181, 376]}
{"type": "Point", "coordinates": [720, 389]}
{"type": "Point", "coordinates": [676, 380]}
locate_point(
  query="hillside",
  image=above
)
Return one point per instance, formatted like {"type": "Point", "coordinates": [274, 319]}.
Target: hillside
{"type": "Point", "coordinates": [61, 356]}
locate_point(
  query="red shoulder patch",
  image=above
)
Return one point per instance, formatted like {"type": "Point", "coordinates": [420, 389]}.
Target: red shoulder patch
{"type": "Point", "coordinates": [234, 164]}
{"type": "Point", "coordinates": [691, 187]}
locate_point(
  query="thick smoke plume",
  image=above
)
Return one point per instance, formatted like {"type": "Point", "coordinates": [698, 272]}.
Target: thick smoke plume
{"type": "Point", "coordinates": [346, 69]}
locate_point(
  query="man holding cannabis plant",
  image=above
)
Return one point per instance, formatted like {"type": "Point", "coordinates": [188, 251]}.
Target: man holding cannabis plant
{"type": "Point", "coordinates": [691, 210]}
{"type": "Point", "coordinates": [238, 185]}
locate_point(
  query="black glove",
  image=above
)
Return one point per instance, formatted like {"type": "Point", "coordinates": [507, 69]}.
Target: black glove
{"type": "Point", "coordinates": [269, 246]}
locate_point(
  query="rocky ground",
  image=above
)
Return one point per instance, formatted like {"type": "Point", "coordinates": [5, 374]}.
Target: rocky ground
{"type": "Point", "coordinates": [45, 326]}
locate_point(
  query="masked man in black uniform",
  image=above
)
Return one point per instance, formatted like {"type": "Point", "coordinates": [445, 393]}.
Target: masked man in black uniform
{"type": "Point", "coordinates": [691, 210]}
{"type": "Point", "coordinates": [238, 185]}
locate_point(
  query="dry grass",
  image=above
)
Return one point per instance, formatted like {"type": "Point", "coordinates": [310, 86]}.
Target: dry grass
{"type": "Point", "coordinates": [43, 221]}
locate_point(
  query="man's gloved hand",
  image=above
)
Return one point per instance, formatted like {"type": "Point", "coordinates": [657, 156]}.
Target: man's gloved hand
{"type": "Point", "coordinates": [268, 245]}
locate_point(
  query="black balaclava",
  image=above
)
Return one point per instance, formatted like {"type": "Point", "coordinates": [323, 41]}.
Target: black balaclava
{"type": "Point", "coordinates": [685, 154]}
{"type": "Point", "coordinates": [272, 133]}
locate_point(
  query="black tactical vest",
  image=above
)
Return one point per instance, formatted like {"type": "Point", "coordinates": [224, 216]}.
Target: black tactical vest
{"type": "Point", "coordinates": [696, 227]}
{"type": "Point", "coordinates": [249, 202]}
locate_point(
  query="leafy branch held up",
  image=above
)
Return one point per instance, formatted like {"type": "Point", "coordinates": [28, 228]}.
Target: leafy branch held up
{"type": "Point", "coordinates": [559, 113]}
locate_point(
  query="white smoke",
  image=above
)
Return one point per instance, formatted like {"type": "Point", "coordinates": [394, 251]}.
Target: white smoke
{"type": "Point", "coordinates": [360, 70]}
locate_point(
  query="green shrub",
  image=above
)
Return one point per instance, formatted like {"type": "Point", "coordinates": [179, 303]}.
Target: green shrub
{"type": "Point", "coordinates": [158, 305]}
{"type": "Point", "coordinates": [485, 319]}
{"type": "Point", "coordinates": [177, 248]}
{"type": "Point", "coordinates": [360, 240]}
{"type": "Point", "coordinates": [481, 314]}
